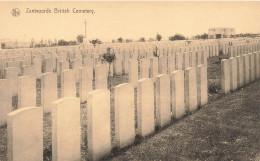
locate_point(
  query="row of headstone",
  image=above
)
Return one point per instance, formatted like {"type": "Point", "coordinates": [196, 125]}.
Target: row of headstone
{"type": "Point", "coordinates": [26, 91]}
{"type": "Point", "coordinates": [239, 71]}
{"type": "Point", "coordinates": [173, 95]}
{"type": "Point", "coordinates": [151, 67]}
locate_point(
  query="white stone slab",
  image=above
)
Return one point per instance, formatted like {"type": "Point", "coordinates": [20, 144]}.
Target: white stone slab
{"type": "Point", "coordinates": [124, 115]}
{"type": "Point", "coordinates": [26, 91]}
{"type": "Point", "coordinates": [48, 90]}
{"type": "Point", "coordinates": [163, 108]}
{"type": "Point", "coordinates": [145, 107]}
{"type": "Point", "coordinates": [177, 94]}
{"type": "Point", "coordinates": [98, 125]}
{"type": "Point", "coordinates": [25, 134]}
{"type": "Point", "coordinates": [190, 89]}
{"type": "Point", "coordinates": [66, 129]}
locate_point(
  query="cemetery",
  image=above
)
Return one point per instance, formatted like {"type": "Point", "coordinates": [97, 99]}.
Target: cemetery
{"type": "Point", "coordinates": [67, 103]}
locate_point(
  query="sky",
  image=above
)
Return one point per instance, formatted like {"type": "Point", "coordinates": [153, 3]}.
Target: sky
{"type": "Point", "coordinates": [132, 20]}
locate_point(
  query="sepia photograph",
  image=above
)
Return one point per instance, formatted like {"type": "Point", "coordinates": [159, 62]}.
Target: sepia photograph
{"type": "Point", "coordinates": [130, 80]}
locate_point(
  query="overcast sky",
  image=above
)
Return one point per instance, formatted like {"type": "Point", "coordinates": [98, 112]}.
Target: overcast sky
{"type": "Point", "coordinates": [126, 19]}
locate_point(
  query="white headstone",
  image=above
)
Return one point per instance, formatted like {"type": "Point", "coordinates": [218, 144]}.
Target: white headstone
{"type": "Point", "coordinates": [177, 94]}
{"type": "Point", "coordinates": [25, 134]}
{"type": "Point", "coordinates": [145, 107]}
{"type": "Point", "coordinates": [98, 125]}
{"type": "Point", "coordinates": [124, 115]}
{"type": "Point", "coordinates": [66, 129]}
{"type": "Point", "coordinates": [190, 87]}
{"type": "Point", "coordinates": [26, 91]}
{"type": "Point", "coordinates": [5, 100]}
{"type": "Point", "coordinates": [163, 108]}
{"type": "Point", "coordinates": [48, 90]}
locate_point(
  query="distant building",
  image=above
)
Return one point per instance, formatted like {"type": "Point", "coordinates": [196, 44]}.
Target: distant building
{"type": "Point", "coordinates": [221, 32]}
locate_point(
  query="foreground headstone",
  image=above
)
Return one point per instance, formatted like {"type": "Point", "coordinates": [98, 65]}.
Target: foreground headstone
{"type": "Point", "coordinates": [163, 108]}
{"type": "Point", "coordinates": [98, 125]}
{"type": "Point", "coordinates": [66, 129]}
{"type": "Point", "coordinates": [5, 100]}
{"type": "Point", "coordinates": [190, 87]}
{"type": "Point", "coordinates": [25, 134]}
{"type": "Point", "coordinates": [26, 91]}
{"type": "Point", "coordinates": [177, 94]}
{"type": "Point", "coordinates": [124, 115]}
{"type": "Point", "coordinates": [145, 107]}
{"type": "Point", "coordinates": [225, 76]}
{"type": "Point", "coordinates": [48, 90]}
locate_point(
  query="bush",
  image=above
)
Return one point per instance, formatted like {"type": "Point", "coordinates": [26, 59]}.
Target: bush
{"type": "Point", "coordinates": [214, 87]}
{"type": "Point", "coordinates": [176, 37]}
{"type": "Point", "coordinates": [3, 45]}
{"type": "Point", "coordinates": [95, 42]}
{"type": "Point", "coordinates": [158, 37]}
{"type": "Point", "coordinates": [120, 40]}
{"type": "Point", "coordinates": [108, 57]}
{"type": "Point", "coordinates": [142, 39]}
{"type": "Point", "coordinates": [222, 56]}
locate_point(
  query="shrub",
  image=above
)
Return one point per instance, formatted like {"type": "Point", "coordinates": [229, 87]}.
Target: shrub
{"type": "Point", "coordinates": [142, 39]}
{"type": "Point", "coordinates": [158, 37]}
{"type": "Point", "coordinates": [108, 57]}
{"type": "Point", "coordinates": [176, 37]}
{"type": "Point", "coordinates": [2, 45]}
{"type": "Point", "coordinates": [214, 87]}
{"type": "Point", "coordinates": [120, 40]}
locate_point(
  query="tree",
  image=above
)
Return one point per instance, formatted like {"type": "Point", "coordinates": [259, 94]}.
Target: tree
{"type": "Point", "coordinates": [63, 43]}
{"type": "Point", "coordinates": [142, 39]}
{"type": "Point", "coordinates": [80, 39]}
{"type": "Point", "coordinates": [120, 39]}
{"type": "Point", "coordinates": [158, 37]}
{"type": "Point", "coordinates": [108, 57]}
{"type": "Point", "coordinates": [202, 36]}
{"type": "Point", "coordinates": [3, 45]}
{"type": "Point", "coordinates": [95, 42]}
{"type": "Point", "coordinates": [176, 37]}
